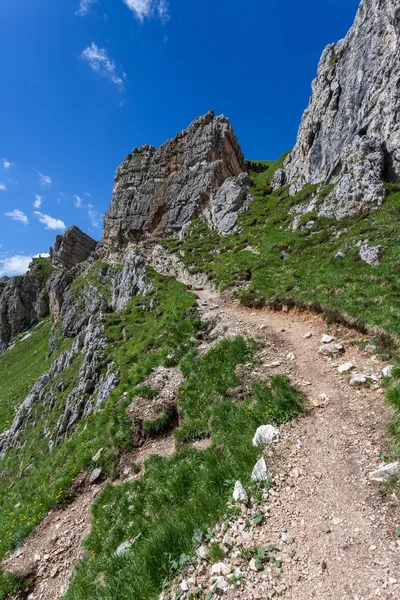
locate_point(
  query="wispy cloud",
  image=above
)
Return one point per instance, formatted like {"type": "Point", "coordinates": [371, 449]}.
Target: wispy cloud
{"type": "Point", "coordinates": [146, 9]}
{"type": "Point", "coordinates": [100, 62]}
{"type": "Point", "coordinates": [7, 164]}
{"type": "Point", "coordinates": [44, 180]}
{"type": "Point", "coordinates": [94, 216]}
{"type": "Point", "coordinates": [17, 215]}
{"type": "Point", "coordinates": [50, 222]}
{"type": "Point", "coordinates": [78, 201]}
{"type": "Point", "coordinates": [17, 264]}
{"type": "Point", "coordinates": [38, 201]}
{"type": "Point", "coordinates": [3, 187]}
{"type": "Point", "coordinates": [84, 7]}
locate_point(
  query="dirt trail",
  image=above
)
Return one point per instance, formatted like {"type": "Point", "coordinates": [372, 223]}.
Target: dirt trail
{"type": "Point", "coordinates": [344, 532]}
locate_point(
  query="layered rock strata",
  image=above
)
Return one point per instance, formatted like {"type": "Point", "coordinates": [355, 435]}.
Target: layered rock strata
{"type": "Point", "coordinates": [350, 132]}
{"type": "Point", "coordinates": [159, 191]}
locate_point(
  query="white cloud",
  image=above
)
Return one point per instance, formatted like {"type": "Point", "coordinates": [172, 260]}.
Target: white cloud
{"type": "Point", "coordinates": [44, 180]}
{"type": "Point", "coordinates": [86, 194]}
{"type": "Point", "coordinates": [84, 7]}
{"type": "Point", "coordinates": [100, 63]}
{"type": "Point", "coordinates": [18, 264]}
{"type": "Point", "coordinates": [7, 164]}
{"type": "Point", "coordinates": [78, 201]}
{"type": "Point", "coordinates": [50, 222]}
{"type": "Point", "coordinates": [17, 215]}
{"type": "Point", "coordinates": [143, 9]}
{"type": "Point", "coordinates": [3, 187]}
{"type": "Point", "coordinates": [38, 201]}
{"type": "Point", "coordinates": [94, 216]}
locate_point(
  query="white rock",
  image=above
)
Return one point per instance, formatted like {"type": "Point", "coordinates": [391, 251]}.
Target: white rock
{"type": "Point", "coordinates": [392, 580]}
{"type": "Point", "coordinates": [327, 339]}
{"type": "Point", "coordinates": [184, 586]}
{"type": "Point", "coordinates": [345, 367]}
{"type": "Point", "coordinates": [332, 349]}
{"type": "Point", "coordinates": [221, 584]}
{"type": "Point", "coordinates": [308, 335]}
{"type": "Point", "coordinates": [387, 371]}
{"type": "Point", "coordinates": [240, 494]}
{"type": "Point", "coordinates": [291, 356]}
{"type": "Point", "coordinates": [287, 539]}
{"type": "Point", "coordinates": [96, 457]}
{"type": "Point", "coordinates": [252, 565]}
{"type": "Point", "coordinates": [266, 434]}
{"type": "Point", "coordinates": [122, 548]}
{"type": "Point", "coordinates": [260, 471]}
{"type": "Point", "coordinates": [385, 473]}
{"type": "Point", "coordinates": [361, 378]}
{"type": "Point", "coordinates": [202, 552]}
{"type": "Point", "coordinates": [220, 569]}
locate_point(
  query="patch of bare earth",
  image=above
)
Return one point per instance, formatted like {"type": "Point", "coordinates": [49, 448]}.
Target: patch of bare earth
{"type": "Point", "coordinates": [344, 539]}
{"type": "Point", "coordinates": [51, 553]}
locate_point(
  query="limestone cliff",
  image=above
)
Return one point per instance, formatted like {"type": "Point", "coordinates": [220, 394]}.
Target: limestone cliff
{"type": "Point", "coordinates": [159, 191]}
{"type": "Point", "coordinates": [350, 132]}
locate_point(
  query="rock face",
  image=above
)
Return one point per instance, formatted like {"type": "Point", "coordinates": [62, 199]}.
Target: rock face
{"type": "Point", "coordinates": [72, 248]}
{"type": "Point", "coordinates": [22, 303]}
{"type": "Point", "coordinates": [159, 191]}
{"type": "Point", "coordinates": [350, 132]}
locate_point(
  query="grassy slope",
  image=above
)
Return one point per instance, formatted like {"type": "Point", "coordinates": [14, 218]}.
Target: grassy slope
{"type": "Point", "coordinates": [158, 336]}
{"type": "Point", "coordinates": [20, 367]}
{"type": "Point", "coordinates": [177, 497]}
{"type": "Point", "coordinates": [298, 267]}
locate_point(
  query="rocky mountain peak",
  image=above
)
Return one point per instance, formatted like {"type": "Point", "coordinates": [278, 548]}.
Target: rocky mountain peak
{"type": "Point", "coordinates": [71, 248]}
{"type": "Point", "coordinates": [350, 132]}
{"type": "Point", "coordinates": [159, 191]}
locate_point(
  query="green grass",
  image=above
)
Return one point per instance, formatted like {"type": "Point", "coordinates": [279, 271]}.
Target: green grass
{"type": "Point", "coordinates": [158, 330]}
{"type": "Point", "coordinates": [179, 497]}
{"type": "Point", "coordinates": [20, 367]}
{"type": "Point", "coordinates": [298, 267]}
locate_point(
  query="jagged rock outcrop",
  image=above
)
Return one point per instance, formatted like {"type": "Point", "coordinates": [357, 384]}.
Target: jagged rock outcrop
{"type": "Point", "coordinates": [4, 279]}
{"type": "Point", "coordinates": [23, 302]}
{"type": "Point", "coordinates": [71, 248]}
{"type": "Point", "coordinates": [350, 132]}
{"type": "Point", "coordinates": [159, 191]}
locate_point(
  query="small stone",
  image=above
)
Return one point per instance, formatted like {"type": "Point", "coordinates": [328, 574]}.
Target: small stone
{"type": "Point", "coordinates": [184, 586]}
{"type": "Point", "coordinates": [345, 367]}
{"type": "Point", "coordinates": [221, 584]}
{"type": "Point", "coordinates": [332, 349]}
{"type": "Point", "coordinates": [371, 254]}
{"type": "Point", "coordinates": [339, 256]}
{"type": "Point", "coordinates": [252, 565]}
{"type": "Point", "coordinates": [370, 348]}
{"type": "Point", "coordinates": [308, 335]}
{"type": "Point", "coordinates": [266, 434]}
{"type": "Point", "coordinates": [122, 548]}
{"type": "Point", "coordinates": [260, 471]}
{"type": "Point", "coordinates": [287, 539]}
{"type": "Point", "coordinates": [392, 580]}
{"type": "Point", "coordinates": [291, 356]}
{"type": "Point", "coordinates": [220, 569]}
{"type": "Point", "coordinates": [385, 473]}
{"type": "Point", "coordinates": [327, 339]}
{"type": "Point", "coordinates": [96, 457]}
{"type": "Point", "coordinates": [240, 494]}
{"type": "Point", "coordinates": [337, 521]}
{"type": "Point", "coordinates": [202, 552]}
{"type": "Point", "coordinates": [95, 474]}
{"type": "Point", "coordinates": [387, 371]}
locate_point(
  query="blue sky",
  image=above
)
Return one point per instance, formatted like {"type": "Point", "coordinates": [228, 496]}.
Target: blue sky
{"type": "Point", "coordinates": [84, 81]}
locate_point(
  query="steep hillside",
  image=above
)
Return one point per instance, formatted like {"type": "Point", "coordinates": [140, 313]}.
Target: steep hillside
{"type": "Point", "coordinates": [135, 373]}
